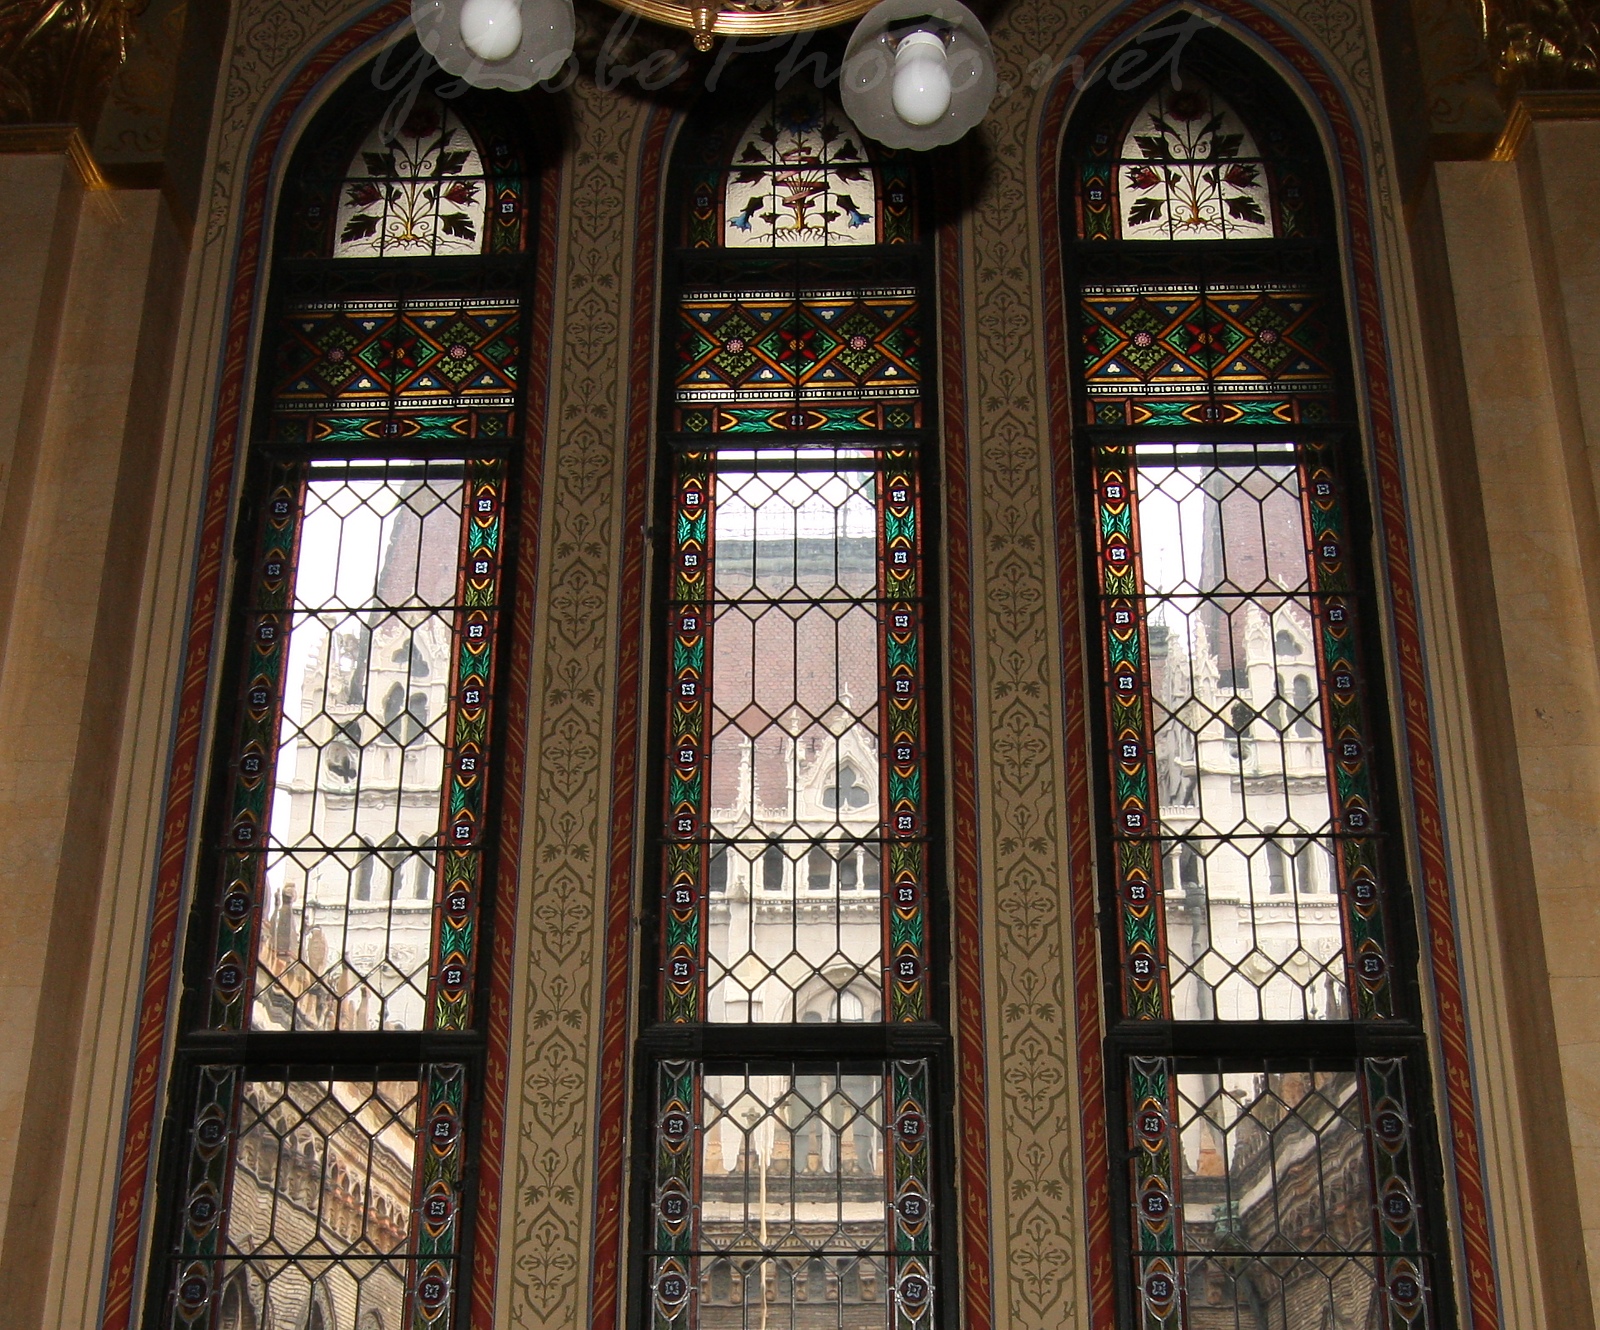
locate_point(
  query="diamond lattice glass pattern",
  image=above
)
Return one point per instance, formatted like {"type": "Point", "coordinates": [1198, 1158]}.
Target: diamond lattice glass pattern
{"type": "Point", "coordinates": [416, 190]}
{"type": "Point", "coordinates": [797, 786]}
{"type": "Point", "coordinates": [1230, 812]}
{"type": "Point", "coordinates": [354, 855]}
{"type": "Point", "coordinates": [1274, 1195]}
{"type": "Point", "coordinates": [799, 349]}
{"type": "Point", "coordinates": [1180, 353]}
{"type": "Point", "coordinates": [327, 1202]}
{"type": "Point", "coordinates": [793, 1196]}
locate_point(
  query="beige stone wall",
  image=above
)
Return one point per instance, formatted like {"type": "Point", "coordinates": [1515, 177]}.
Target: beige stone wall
{"type": "Point", "coordinates": [1523, 272]}
{"type": "Point", "coordinates": [95, 430]}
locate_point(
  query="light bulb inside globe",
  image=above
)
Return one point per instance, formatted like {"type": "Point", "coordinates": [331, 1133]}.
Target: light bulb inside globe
{"type": "Point", "coordinates": [921, 89]}
{"type": "Point", "coordinates": [491, 29]}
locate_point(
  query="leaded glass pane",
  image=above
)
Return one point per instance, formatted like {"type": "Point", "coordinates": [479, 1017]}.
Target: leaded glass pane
{"type": "Point", "coordinates": [792, 1196]}
{"type": "Point", "coordinates": [1243, 822]}
{"type": "Point", "coordinates": [1191, 170]}
{"type": "Point", "coordinates": [354, 860]}
{"type": "Point", "coordinates": [327, 1203]}
{"type": "Point", "coordinates": [1187, 353]}
{"type": "Point", "coordinates": [418, 189]}
{"type": "Point", "coordinates": [1274, 1195]}
{"type": "Point", "coordinates": [798, 352]}
{"type": "Point", "coordinates": [796, 787]}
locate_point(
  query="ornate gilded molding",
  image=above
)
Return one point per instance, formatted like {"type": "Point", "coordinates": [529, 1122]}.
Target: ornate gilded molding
{"type": "Point", "coordinates": [1544, 45]}
{"type": "Point", "coordinates": [745, 18]}
{"type": "Point", "coordinates": [1532, 106]}
{"type": "Point", "coordinates": [55, 138]}
{"type": "Point", "coordinates": [57, 57]}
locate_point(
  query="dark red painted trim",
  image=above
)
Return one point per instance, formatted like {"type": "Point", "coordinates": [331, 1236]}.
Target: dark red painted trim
{"type": "Point", "coordinates": [977, 1264]}
{"type": "Point", "coordinates": [182, 804]}
{"type": "Point", "coordinates": [1440, 953]}
{"type": "Point", "coordinates": [607, 1302]}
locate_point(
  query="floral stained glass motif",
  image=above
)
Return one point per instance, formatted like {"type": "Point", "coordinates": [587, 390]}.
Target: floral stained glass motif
{"type": "Point", "coordinates": [416, 192]}
{"type": "Point", "coordinates": [796, 860]}
{"type": "Point", "coordinates": [321, 1202]}
{"type": "Point", "coordinates": [1274, 1194]}
{"type": "Point", "coordinates": [1191, 170]}
{"type": "Point", "coordinates": [385, 370]}
{"type": "Point", "coordinates": [1244, 823]}
{"type": "Point", "coordinates": [353, 856]}
{"type": "Point", "coordinates": [792, 1196]}
{"type": "Point", "coordinates": [800, 177]}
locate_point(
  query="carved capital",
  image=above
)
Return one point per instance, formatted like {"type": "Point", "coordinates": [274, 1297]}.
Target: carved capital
{"type": "Point", "coordinates": [57, 57]}
{"type": "Point", "coordinates": [1544, 45]}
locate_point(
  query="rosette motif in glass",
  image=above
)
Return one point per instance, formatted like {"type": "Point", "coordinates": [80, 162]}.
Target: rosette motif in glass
{"type": "Point", "coordinates": [794, 1192]}
{"type": "Point", "coordinates": [354, 842]}
{"type": "Point", "coordinates": [324, 1156]}
{"type": "Point", "coordinates": [1282, 1195]}
{"type": "Point", "coordinates": [328, 1202]}
{"type": "Point", "coordinates": [1247, 857]}
{"type": "Point", "coordinates": [792, 1197]}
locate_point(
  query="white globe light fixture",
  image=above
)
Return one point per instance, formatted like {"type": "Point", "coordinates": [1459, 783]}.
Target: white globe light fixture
{"type": "Point", "coordinates": [917, 73]}
{"type": "Point", "coordinates": [921, 87]}
{"type": "Point", "coordinates": [509, 44]}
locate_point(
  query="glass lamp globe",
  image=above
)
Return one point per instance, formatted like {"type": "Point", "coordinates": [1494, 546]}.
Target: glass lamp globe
{"type": "Point", "coordinates": [491, 29]}
{"type": "Point", "coordinates": [917, 73]}
{"type": "Point", "coordinates": [509, 44]}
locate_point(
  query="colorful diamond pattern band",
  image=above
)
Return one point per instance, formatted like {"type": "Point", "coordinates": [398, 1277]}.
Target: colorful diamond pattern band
{"type": "Point", "coordinates": [1184, 354]}
{"type": "Point", "coordinates": [752, 346]}
{"type": "Point", "coordinates": [388, 371]}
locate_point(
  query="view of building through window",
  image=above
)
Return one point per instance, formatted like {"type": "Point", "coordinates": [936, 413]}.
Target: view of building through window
{"type": "Point", "coordinates": [1271, 1178]}
{"type": "Point", "coordinates": [794, 1188]}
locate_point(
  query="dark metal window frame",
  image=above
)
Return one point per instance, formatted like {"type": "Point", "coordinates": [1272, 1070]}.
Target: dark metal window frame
{"type": "Point", "coordinates": [1249, 1043]}
{"type": "Point", "coordinates": [883, 1042]}
{"type": "Point", "coordinates": [339, 1054]}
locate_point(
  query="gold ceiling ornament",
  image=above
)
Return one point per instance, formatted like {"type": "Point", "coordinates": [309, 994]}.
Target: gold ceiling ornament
{"type": "Point", "coordinates": [57, 57]}
{"type": "Point", "coordinates": [1544, 45]}
{"type": "Point", "coordinates": [745, 18]}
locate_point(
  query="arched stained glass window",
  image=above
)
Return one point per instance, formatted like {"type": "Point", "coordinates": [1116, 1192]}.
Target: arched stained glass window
{"type": "Point", "coordinates": [340, 906]}
{"type": "Point", "coordinates": [795, 1166]}
{"type": "Point", "coordinates": [1252, 880]}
